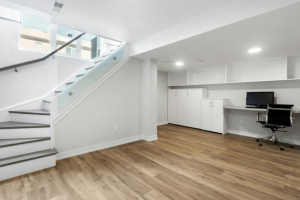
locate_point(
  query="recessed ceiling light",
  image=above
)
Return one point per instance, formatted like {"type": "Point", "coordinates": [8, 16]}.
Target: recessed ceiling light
{"type": "Point", "coordinates": [254, 50]}
{"type": "Point", "coordinates": [179, 63]}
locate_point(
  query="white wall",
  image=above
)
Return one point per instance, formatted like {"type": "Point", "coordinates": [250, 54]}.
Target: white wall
{"type": "Point", "coordinates": [162, 97]}
{"type": "Point", "coordinates": [91, 123]}
{"type": "Point", "coordinates": [31, 81]}
{"type": "Point", "coordinates": [225, 15]}
{"type": "Point", "coordinates": [244, 122]}
{"type": "Point", "coordinates": [149, 100]}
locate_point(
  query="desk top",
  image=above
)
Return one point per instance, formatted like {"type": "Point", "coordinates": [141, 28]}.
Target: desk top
{"type": "Point", "coordinates": [252, 109]}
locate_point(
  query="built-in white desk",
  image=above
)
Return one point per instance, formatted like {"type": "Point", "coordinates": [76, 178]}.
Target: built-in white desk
{"type": "Point", "coordinates": [252, 109]}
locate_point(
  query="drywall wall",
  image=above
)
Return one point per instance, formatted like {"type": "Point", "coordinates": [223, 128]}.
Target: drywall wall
{"type": "Point", "coordinates": [31, 81]}
{"type": "Point", "coordinates": [222, 16]}
{"type": "Point", "coordinates": [162, 97]}
{"type": "Point", "coordinates": [244, 122]}
{"type": "Point", "coordinates": [149, 100]}
{"type": "Point", "coordinates": [91, 125]}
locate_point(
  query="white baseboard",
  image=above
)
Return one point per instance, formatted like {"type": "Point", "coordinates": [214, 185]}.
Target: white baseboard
{"type": "Point", "coordinates": [162, 123]}
{"type": "Point", "coordinates": [76, 152]}
{"type": "Point", "coordinates": [149, 138]}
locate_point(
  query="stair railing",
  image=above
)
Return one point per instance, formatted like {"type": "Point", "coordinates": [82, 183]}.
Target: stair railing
{"type": "Point", "coordinates": [41, 59]}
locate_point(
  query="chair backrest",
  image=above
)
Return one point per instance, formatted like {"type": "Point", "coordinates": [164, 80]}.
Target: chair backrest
{"type": "Point", "coordinates": [279, 114]}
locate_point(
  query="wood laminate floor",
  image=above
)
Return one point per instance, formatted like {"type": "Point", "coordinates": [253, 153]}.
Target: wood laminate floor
{"type": "Point", "coordinates": [183, 163]}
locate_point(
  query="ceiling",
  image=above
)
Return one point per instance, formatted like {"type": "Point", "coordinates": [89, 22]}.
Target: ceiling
{"type": "Point", "coordinates": [276, 32]}
{"type": "Point", "coordinates": [127, 21]}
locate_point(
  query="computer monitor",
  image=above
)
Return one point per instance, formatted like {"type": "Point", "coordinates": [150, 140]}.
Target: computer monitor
{"type": "Point", "coordinates": [260, 99]}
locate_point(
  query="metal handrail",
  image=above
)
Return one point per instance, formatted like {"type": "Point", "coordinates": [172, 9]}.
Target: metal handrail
{"type": "Point", "coordinates": [41, 59]}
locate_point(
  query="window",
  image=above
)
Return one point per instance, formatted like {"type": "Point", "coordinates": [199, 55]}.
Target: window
{"type": "Point", "coordinates": [63, 36]}
{"type": "Point", "coordinates": [34, 33]}
{"type": "Point", "coordinates": [70, 51]}
{"type": "Point", "coordinates": [38, 46]}
{"type": "Point", "coordinates": [90, 46]}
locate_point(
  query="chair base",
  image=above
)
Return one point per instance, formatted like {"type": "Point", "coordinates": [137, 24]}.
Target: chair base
{"type": "Point", "coordinates": [274, 139]}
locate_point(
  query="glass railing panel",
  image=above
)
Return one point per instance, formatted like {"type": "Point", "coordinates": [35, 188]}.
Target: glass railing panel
{"type": "Point", "coordinates": [89, 77]}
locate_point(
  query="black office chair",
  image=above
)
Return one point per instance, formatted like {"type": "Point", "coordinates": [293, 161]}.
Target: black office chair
{"type": "Point", "coordinates": [278, 116]}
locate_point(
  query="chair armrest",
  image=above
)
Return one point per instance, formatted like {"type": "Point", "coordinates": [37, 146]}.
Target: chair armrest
{"type": "Point", "coordinates": [257, 119]}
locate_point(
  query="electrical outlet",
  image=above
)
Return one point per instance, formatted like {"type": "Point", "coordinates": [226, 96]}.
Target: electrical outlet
{"type": "Point", "coordinates": [115, 127]}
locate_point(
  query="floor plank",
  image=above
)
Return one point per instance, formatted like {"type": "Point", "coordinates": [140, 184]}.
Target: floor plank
{"type": "Point", "coordinates": [184, 163]}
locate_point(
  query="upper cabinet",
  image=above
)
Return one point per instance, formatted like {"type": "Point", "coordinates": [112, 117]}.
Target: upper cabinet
{"type": "Point", "coordinates": [283, 68]}
{"type": "Point", "coordinates": [177, 78]}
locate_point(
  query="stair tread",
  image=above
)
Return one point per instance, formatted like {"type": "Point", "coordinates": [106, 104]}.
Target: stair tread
{"type": "Point", "coordinates": [46, 101]}
{"type": "Point", "coordinates": [27, 157]}
{"type": "Point", "coordinates": [90, 67]}
{"type": "Point", "coordinates": [14, 125]}
{"type": "Point", "coordinates": [58, 91]}
{"type": "Point", "coordinates": [105, 55]}
{"type": "Point", "coordinates": [12, 142]}
{"type": "Point", "coordinates": [80, 74]}
{"type": "Point", "coordinates": [71, 82]}
{"type": "Point", "coordinates": [33, 112]}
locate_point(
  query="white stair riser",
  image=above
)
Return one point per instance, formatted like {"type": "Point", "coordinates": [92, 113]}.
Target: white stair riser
{"type": "Point", "coordinates": [46, 106]}
{"type": "Point", "coordinates": [38, 119]}
{"type": "Point", "coordinates": [24, 133]}
{"type": "Point", "coordinates": [26, 167]}
{"type": "Point", "coordinates": [20, 149]}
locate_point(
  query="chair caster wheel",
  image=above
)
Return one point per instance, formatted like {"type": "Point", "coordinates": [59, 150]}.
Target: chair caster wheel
{"type": "Point", "coordinates": [292, 146]}
{"type": "Point", "coordinates": [260, 144]}
{"type": "Point", "coordinates": [282, 148]}
{"type": "Point", "coordinates": [257, 140]}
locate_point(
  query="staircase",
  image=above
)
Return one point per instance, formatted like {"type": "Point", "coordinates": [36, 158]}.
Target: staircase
{"type": "Point", "coordinates": [26, 141]}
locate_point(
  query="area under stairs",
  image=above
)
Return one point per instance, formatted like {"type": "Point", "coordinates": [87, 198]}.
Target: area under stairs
{"type": "Point", "coordinates": [25, 140]}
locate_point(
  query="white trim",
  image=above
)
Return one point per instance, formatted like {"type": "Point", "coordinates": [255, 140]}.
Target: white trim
{"type": "Point", "coordinates": [149, 138]}
{"type": "Point", "coordinates": [105, 145]}
{"type": "Point", "coordinates": [162, 123]}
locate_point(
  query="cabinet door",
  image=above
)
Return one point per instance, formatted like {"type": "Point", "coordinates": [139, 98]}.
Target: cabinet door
{"type": "Point", "coordinates": [217, 116]}
{"type": "Point", "coordinates": [181, 107]}
{"type": "Point", "coordinates": [206, 115]}
{"type": "Point", "coordinates": [194, 108]}
{"type": "Point", "coordinates": [172, 106]}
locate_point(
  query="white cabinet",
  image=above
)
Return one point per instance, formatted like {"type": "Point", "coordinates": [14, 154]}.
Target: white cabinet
{"type": "Point", "coordinates": [194, 100]}
{"type": "Point", "coordinates": [172, 106]}
{"type": "Point", "coordinates": [184, 106]}
{"type": "Point", "coordinates": [206, 115]}
{"type": "Point", "coordinates": [181, 107]}
{"type": "Point", "coordinates": [213, 118]}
